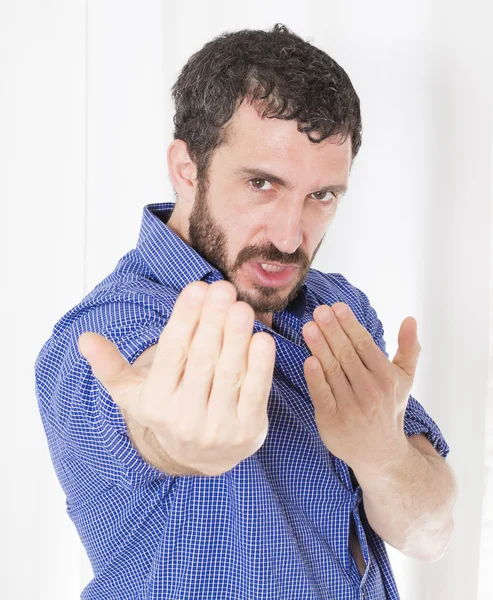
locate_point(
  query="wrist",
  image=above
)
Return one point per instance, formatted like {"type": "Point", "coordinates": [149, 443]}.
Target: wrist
{"type": "Point", "coordinates": [387, 463]}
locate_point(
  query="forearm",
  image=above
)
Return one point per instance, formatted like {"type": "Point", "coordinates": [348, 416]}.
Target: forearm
{"type": "Point", "coordinates": [409, 502]}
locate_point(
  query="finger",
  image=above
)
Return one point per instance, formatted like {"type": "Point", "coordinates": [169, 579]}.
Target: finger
{"type": "Point", "coordinates": [343, 351]}
{"type": "Point", "coordinates": [254, 394]}
{"type": "Point", "coordinates": [173, 344]}
{"type": "Point", "coordinates": [320, 391]}
{"type": "Point", "coordinates": [206, 344]}
{"type": "Point", "coordinates": [232, 364]}
{"type": "Point", "coordinates": [109, 366]}
{"type": "Point", "coordinates": [362, 340]}
{"type": "Point", "coordinates": [332, 370]}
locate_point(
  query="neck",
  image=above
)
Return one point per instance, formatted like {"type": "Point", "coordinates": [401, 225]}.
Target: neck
{"type": "Point", "coordinates": [178, 224]}
{"type": "Point", "coordinates": [265, 318]}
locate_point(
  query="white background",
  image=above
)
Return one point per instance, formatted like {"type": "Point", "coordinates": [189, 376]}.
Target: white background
{"type": "Point", "coordinates": [85, 121]}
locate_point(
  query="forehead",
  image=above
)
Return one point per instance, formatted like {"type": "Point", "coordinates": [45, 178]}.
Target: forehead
{"type": "Point", "coordinates": [277, 144]}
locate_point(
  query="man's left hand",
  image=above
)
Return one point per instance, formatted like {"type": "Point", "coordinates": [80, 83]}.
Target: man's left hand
{"type": "Point", "coordinates": [359, 396]}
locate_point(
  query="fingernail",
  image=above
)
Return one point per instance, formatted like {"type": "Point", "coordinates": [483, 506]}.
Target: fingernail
{"type": "Point", "coordinates": [340, 310]}
{"type": "Point", "coordinates": [324, 314]}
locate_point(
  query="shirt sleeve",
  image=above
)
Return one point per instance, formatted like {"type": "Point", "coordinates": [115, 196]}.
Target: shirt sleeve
{"type": "Point", "coordinates": [416, 419]}
{"type": "Point", "coordinates": [81, 420]}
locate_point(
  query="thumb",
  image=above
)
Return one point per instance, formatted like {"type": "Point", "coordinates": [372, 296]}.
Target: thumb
{"type": "Point", "coordinates": [108, 364]}
{"type": "Point", "coordinates": [406, 357]}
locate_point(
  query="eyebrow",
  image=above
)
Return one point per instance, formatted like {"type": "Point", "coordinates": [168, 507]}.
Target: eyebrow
{"type": "Point", "coordinates": [261, 174]}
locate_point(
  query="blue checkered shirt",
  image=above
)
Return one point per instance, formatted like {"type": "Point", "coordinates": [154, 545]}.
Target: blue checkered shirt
{"type": "Point", "coordinates": [276, 526]}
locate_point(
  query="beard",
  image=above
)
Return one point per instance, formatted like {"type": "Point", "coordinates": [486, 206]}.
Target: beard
{"type": "Point", "coordinates": [211, 242]}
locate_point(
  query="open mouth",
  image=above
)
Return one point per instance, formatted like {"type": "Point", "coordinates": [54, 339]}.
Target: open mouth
{"type": "Point", "coordinates": [271, 274]}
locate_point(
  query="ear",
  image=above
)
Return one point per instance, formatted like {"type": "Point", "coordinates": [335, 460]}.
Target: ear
{"type": "Point", "coordinates": [182, 171]}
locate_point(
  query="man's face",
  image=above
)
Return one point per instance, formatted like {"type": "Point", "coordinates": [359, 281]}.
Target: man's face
{"type": "Point", "coordinates": [247, 218]}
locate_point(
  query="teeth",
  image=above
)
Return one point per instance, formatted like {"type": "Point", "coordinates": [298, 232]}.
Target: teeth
{"type": "Point", "coordinates": [271, 268]}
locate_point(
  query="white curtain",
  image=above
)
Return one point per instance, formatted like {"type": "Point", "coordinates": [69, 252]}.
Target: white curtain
{"type": "Point", "coordinates": [85, 121]}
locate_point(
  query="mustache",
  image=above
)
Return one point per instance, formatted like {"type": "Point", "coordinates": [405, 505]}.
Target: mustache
{"type": "Point", "coordinates": [272, 254]}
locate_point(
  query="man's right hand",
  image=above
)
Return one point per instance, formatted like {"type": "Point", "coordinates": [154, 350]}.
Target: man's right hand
{"type": "Point", "coordinates": [204, 398]}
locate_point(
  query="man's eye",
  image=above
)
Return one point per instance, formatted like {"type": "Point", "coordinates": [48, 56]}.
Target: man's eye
{"type": "Point", "coordinates": [322, 196]}
{"type": "Point", "coordinates": [258, 184]}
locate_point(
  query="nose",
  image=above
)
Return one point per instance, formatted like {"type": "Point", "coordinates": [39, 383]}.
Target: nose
{"type": "Point", "coordinates": [285, 228]}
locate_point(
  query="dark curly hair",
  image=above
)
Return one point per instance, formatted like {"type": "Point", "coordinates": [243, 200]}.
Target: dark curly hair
{"type": "Point", "coordinates": [278, 72]}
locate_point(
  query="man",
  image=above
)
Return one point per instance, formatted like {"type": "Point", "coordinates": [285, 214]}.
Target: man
{"type": "Point", "coordinates": [201, 461]}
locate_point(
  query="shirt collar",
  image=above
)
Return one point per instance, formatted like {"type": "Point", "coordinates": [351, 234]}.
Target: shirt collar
{"type": "Point", "coordinates": [175, 263]}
